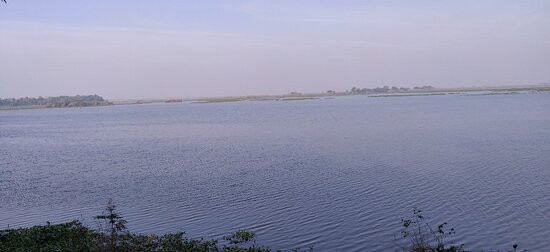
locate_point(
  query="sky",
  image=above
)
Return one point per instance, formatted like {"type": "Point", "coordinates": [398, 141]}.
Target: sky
{"type": "Point", "coordinates": [175, 48]}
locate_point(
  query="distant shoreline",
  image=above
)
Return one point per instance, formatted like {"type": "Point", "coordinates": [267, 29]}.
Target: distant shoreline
{"type": "Point", "coordinates": [310, 96]}
{"type": "Point", "coordinates": [294, 96]}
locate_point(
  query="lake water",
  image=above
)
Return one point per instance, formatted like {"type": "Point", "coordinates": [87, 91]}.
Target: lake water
{"type": "Point", "coordinates": [334, 174]}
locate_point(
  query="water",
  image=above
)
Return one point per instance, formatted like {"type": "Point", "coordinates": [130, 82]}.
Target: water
{"type": "Point", "coordinates": [335, 174]}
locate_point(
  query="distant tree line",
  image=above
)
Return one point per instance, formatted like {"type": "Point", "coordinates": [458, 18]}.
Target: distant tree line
{"type": "Point", "coordinates": [386, 89]}
{"type": "Point", "coordinates": [57, 101]}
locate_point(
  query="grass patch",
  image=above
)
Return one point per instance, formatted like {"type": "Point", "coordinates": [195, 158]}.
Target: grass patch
{"type": "Point", "coordinates": [215, 100]}
{"type": "Point", "coordinates": [405, 95]}
{"type": "Point", "coordinates": [298, 98]}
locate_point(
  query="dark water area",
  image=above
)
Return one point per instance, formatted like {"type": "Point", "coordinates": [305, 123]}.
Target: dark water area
{"type": "Point", "coordinates": [335, 174]}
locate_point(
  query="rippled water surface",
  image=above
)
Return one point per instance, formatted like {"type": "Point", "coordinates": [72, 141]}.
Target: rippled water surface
{"type": "Point", "coordinates": [329, 173]}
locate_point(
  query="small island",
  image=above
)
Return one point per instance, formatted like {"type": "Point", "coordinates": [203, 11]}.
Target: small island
{"type": "Point", "coordinates": [54, 102]}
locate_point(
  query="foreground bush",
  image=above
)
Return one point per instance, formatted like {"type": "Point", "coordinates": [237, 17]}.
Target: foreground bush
{"type": "Point", "coordinates": [73, 236]}
{"type": "Point", "coordinates": [113, 236]}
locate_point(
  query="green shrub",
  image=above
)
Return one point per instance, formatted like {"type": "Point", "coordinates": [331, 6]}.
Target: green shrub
{"type": "Point", "coordinates": [70, 236]}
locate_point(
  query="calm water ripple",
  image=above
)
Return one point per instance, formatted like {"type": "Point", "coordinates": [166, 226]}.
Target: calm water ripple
{"type": "Point", "coordinates": [336, 174]}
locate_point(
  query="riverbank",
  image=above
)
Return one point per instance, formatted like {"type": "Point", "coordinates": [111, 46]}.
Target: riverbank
{"type": "Point", "coordinates": [295, 96]}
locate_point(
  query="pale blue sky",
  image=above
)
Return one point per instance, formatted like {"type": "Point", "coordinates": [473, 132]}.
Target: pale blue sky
{"type": "Point", "coordinates": [136, 49]}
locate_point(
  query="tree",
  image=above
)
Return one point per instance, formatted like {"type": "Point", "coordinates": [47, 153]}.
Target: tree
{"type": "Point", "coordinates": [113, 222]}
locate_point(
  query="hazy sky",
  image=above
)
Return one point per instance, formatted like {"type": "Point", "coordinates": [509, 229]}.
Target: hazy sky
{"type": "Point", "coordinates": [133, 49]}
